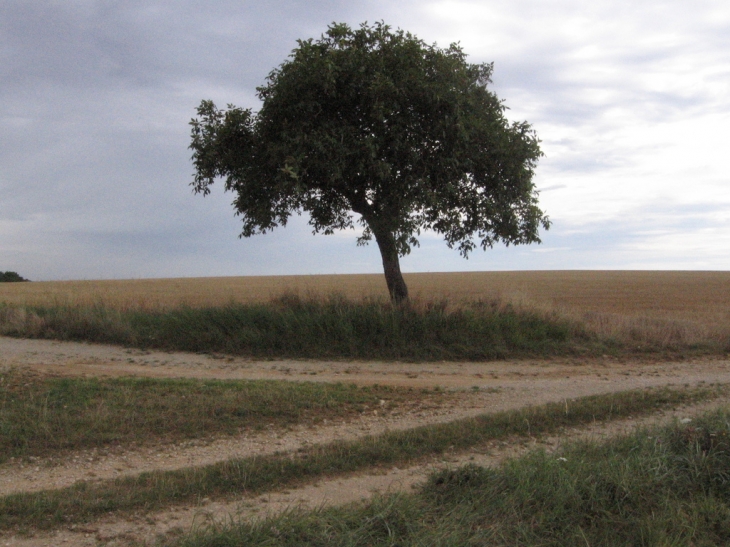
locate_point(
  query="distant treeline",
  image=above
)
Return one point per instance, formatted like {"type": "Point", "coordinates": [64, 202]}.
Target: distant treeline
{"type": "Point", "coordinates": [11, 277]}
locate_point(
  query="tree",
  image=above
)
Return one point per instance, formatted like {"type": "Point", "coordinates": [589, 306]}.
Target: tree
{"type": "Point", "coordinates": [377, 123]}
{"type": "Point", "coordinates": [11, 277]}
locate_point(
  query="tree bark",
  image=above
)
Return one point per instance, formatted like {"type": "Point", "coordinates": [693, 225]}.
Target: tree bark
{"type": "Point", "coordinates": [391, 266]}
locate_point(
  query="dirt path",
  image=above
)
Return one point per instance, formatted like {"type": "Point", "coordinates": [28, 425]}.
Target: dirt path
{"type": "Point", "coordinates": [531, 376]}
{"type": "Point", "coordinates": [502, 385]}
{"type": "Point", "coordinates": [147, 528]}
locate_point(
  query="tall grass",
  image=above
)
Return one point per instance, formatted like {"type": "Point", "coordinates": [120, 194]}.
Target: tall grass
{"type": "Point", "coordinates": [316, 328]}
{"type": "Point", "coordinates": [665, 486]}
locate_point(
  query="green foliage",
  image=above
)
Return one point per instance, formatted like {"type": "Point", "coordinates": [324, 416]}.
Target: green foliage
{"type": "Point", "coordinates": [378, 123]}
{"type": "Point", "coordinates": [11, 277]}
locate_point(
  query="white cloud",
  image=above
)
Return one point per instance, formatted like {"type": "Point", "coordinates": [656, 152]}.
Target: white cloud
{"type": "Point", "coordinates": [632, 101]}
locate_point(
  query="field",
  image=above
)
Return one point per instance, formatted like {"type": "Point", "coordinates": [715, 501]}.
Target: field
{"type": "Point", "coordinates": [634, 308]}
{"type": "Point", "coordinates": [128, 445]}
{"type": "Point", "coordinates": [703, 297]}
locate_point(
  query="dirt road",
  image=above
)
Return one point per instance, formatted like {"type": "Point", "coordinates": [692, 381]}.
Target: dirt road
{"type": "Point", "coordinates": [532, 376]}
{"type": "Point", "coordinates": [501, 385]}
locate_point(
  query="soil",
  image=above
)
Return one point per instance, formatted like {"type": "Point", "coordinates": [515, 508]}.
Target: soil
{"type": "Point", "coordinates": [481, 387]}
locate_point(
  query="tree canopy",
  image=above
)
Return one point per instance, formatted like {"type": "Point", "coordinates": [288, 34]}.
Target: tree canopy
{"type": "Point", "coordinates": [376, 127]}
{"type": "Point", "coordinates": [11, 277]}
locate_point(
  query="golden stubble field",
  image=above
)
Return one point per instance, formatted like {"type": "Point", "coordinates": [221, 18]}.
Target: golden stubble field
{"type": "Point", "coordinates": [677, 294]}
{"type": "Point", "coordinates": [679, 306]}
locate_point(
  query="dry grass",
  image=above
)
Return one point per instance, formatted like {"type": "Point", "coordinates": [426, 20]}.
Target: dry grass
{"type": "Point", "coordinates": [669, 308]}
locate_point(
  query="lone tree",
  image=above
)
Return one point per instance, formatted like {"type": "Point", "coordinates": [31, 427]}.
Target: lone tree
{"type": "Point", "coordinates": [378, 123]}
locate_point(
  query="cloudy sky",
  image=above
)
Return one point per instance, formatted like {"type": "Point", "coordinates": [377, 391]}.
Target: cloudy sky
{"type": "Point", "coordinates": [631, 101]}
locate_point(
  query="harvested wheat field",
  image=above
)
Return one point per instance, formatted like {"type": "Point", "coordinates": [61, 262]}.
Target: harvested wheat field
{"type": "Point", "coordinates": [92, 464]}
{"type": "Point", "coordinates": [658, 307]}
{"type": "Point", "coordinates": [704, 296]}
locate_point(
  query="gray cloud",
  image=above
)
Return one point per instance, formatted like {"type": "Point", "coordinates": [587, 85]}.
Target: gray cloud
{"type": "Point", "coordinates": [93, 45]}
{"type": "Point", "coordinates": [96, 97]}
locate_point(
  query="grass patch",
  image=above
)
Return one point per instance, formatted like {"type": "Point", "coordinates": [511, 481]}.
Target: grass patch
{"type": "Point", "coordinates": [317, 328]}
{"type": "Point", "coordinates": [663, 486]}
{"type": "Point", "coordinates": [40, 416]}
{"type": "Point", "coordinates": [150, 491]}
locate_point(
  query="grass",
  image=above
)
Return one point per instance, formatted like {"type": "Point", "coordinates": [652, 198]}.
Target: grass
{"type": "Point", "coordinates": [40, 416]}
{"type": "Point", "coordinates": [603, 311]}
{"type": "Point", "coordinates": [667, 486]}
{"type": "Point", "coordinates": [318, 328]}
{"type": "Point", "coordinates": [149, 491]}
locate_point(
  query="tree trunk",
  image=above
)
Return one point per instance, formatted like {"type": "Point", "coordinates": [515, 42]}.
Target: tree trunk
{"type": "Point", "coordinates": [391, 265]}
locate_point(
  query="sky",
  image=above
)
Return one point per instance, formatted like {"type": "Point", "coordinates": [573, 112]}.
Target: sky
{"type": "Point", "coordinates": [631, 101]}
